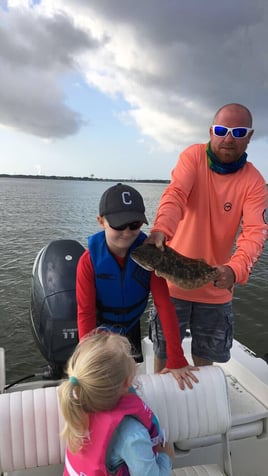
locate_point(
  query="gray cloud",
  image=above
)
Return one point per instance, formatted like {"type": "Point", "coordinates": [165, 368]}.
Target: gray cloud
{"type": "Point", "coordinates": [187, 59]}
{"type": "Point", "coordinates": [35, 105]}
{"type": "Point", "coordinates": [42, 42]}
{"type": "Point", "coordinates": [208, 53]}
{"type": "Point", "coordinates": [36, 54]}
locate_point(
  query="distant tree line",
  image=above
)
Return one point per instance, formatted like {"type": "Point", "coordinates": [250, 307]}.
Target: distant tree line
{"type": "Point", "coordinates": [86, 179]}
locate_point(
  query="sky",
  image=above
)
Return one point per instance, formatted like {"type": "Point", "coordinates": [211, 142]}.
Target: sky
{"type": "Point", "coordinates": [118, 88]}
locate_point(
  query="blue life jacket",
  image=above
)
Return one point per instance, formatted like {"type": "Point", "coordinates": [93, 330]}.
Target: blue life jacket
{"type": "Point", "coordinates": [121, 293]}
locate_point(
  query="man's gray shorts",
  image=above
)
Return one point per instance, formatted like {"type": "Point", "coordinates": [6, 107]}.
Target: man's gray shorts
{"type": "Point", "coordinates": [211, 327]}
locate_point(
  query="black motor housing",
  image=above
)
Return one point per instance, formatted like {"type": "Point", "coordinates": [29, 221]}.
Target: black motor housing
{"type": "Point", "coordinates": [53, 310]}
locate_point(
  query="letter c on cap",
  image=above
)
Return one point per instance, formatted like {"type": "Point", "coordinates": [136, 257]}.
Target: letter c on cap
{"type": "Point", "coordinates": [126, 198]}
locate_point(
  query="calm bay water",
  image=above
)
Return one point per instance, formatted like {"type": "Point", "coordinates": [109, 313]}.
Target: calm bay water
{"type": "Point", "coordinates": [35, 212]}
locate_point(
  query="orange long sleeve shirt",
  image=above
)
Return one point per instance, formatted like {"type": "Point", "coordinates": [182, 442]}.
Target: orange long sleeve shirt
{"type": "Point", "coordinates": [201, 212]}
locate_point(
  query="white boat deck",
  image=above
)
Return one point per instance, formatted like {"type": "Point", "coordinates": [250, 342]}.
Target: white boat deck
{"type": "Point", "coordinates": [247, 379]}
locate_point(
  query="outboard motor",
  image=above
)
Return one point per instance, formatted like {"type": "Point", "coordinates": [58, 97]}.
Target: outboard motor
{"type": "Point", "coordinates": [53, 310]}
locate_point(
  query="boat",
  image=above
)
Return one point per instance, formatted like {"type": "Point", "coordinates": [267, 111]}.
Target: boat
{"type": "Point", "coordinates": [220, 427]}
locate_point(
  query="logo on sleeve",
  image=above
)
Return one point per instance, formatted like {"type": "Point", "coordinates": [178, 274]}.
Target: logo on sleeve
{"type": "Point", "coordinates": [264, 217]}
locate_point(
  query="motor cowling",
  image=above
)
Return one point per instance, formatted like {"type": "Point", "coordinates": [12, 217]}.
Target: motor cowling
{"type": "Point", "coordinates": [53, 309]}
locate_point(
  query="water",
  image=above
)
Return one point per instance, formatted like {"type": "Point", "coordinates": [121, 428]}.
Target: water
{"type": "Point", "coordinates": [35, 212]}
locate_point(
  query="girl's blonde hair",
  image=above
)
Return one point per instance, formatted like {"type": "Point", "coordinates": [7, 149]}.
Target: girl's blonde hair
{"type": "Point", "coordinates": [97, 371]}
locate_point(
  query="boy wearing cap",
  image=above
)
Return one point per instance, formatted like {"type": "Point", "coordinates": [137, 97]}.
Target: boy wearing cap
{"type": "Point", "coordinates": [112, 291]}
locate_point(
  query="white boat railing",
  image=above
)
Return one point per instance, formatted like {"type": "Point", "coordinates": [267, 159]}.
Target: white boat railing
{"type": "Point", "coordinates": [2, 370]}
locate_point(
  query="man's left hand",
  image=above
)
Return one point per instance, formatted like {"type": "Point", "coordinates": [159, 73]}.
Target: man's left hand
{"type": "Point", "coordinates": [225, 278]}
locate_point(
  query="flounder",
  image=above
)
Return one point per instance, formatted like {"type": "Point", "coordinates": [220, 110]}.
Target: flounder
{"type": "Point", "coordinates": [184, 272]}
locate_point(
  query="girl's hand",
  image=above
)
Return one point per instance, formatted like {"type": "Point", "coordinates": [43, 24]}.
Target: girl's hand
{"type": "Point", "coordinates": [168, 449]}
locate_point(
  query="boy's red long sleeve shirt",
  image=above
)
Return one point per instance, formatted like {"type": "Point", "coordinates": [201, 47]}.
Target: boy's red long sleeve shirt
{"type": "Point", "coordinates": [86, 309]}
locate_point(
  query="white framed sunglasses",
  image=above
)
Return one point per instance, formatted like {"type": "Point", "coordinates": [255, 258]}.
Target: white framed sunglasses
{"type": "Point", "coordinates": [237, 132]}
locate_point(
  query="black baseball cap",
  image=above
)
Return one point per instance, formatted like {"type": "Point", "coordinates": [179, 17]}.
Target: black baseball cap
{"type": "Point", "coordinates": [122, 204]}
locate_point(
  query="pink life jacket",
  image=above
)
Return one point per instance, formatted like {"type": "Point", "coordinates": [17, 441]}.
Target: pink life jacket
{"type": "Point", "coordinates": [90, 460]}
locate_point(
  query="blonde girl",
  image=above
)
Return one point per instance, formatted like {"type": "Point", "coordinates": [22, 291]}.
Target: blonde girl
{"type": "Point", "coordinates": [108, 429]}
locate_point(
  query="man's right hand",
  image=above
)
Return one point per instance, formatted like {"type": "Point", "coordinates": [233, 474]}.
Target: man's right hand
{"type": "Point", "coordinates": [156, 238]}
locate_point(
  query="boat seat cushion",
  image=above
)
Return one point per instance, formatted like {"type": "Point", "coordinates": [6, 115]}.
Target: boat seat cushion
{"type": "Point", "coordinates": [189, 413]}
{"type": "Point", "coordinates": [30, 423]}
{"type": "Point", "coordinates": [247, 413]}
{"type": "Point", "coordinates": [31, 420]}
{"type": "Point", "coordinates": [203, 411]}
{"type": "Point", "coordinates": [207, 470]}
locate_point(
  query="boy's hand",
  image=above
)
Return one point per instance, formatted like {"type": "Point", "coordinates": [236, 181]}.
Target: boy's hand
{"type": "Point", "coordinates": [183, 376]}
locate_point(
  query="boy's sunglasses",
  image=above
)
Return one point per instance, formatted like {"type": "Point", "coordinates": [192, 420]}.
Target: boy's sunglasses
{"type": "Point", "coordinates": [237, 132]}
{"type": "Point", "coordinates": [135, 225]}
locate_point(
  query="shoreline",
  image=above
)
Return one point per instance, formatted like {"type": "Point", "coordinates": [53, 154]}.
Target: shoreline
{"type": "Point", "coordinates": [85, 179]}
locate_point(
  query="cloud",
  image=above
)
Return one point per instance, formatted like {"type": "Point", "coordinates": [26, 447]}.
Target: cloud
{"type": "Point", "coordinates": [174, 63]}
{"type": "Point", "coordinates": [34, 60]}
{"type": "Point", "coordinates": [182, 61]}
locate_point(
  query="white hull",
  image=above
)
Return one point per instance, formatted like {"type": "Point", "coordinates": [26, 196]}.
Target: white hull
{"type": "Point", "coordinates": [247, 378]}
